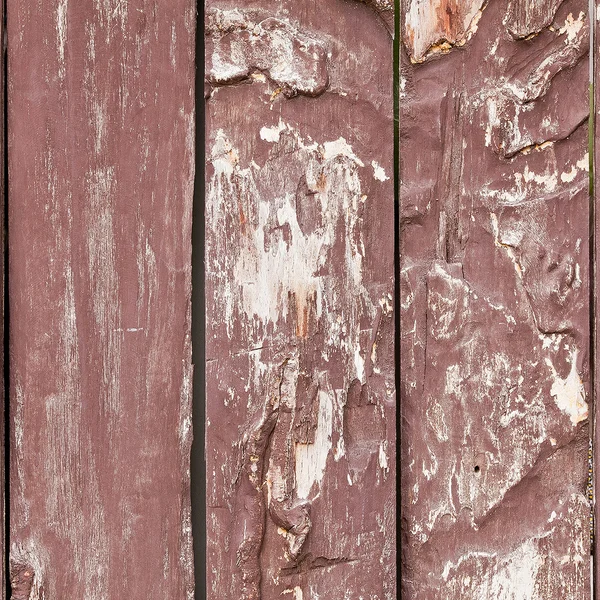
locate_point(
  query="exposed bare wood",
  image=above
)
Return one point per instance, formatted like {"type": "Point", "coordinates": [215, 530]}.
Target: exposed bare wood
{"type": "Point", "coordinates": [300, 326]}
{"type": "Point", "coordinates": [101, 129]}
{"type": "Point", "coordinates": [495, 299]}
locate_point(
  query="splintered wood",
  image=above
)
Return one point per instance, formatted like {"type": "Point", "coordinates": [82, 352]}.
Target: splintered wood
{"type": "Point", "coordinates": [300, 431]}
{"type": "Point", "coordinates": [495, 299]}
{"type": "Point", "coordinates": [101, 159]}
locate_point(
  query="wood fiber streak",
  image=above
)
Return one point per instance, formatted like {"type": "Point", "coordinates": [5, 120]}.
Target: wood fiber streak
{"type": "Point", "coordinates": [495, 300]}
{"type": "Point", "coordinates": [300, 432]}
{"type": "Point", "coordinates": [101, 130]}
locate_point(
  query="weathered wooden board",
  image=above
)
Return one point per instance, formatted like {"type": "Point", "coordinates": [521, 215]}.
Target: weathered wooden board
{"type": "Point", "coordinates": [300, 436]}
{"type": "Point", "coordinates": [495, 299]}
{"type": "Point", "coordinates": [101, 130]}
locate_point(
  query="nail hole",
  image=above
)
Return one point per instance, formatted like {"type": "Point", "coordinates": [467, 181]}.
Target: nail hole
{"type": "Point", "coordinates": [477, 469]}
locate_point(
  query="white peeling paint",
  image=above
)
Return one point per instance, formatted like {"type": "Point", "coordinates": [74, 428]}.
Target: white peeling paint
{"type": "Point", "coordinates": [311, 459]}
{"type": "Point", "coordinates": [568, 176]}
{"type": "Point", "coordinates": [340, 147]}
{"type": "Point", "coordinates": [271, 134]}
{"type": "Point", "coordinates": [383, 458]}
{"type": "Point", "coordinates": [572, 27]}
{"type": "Point", "coordinates": [569, 393]}
{"type": "Point", "coordinates": [378, 171]}
{"type": "Point", "coordinates": [584, 163]}
{"type": "Point", "coordinates": [297, 591]}
{"type": "Point", "coordinates": [223, 157]}
{"type": "Point", "coordinates": [509, 250]}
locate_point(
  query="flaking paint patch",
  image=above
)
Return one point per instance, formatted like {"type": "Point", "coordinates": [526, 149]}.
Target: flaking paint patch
{"type": "Point", "coordinates": [267, 271]}
{"type": "Point", "coordinates": [311, 459]}
{"type": "Point", "coordinates": [296, 194]}
{"type": "Point", "coordinates": [511, 162]}
{"type": "Point", "coordinates": [569, 393]}
{"type": "Point", "coordinates": [297, 591]}
{"type": "Point", "coordinates": [340, 147]}
{"type": "Point", "coordinates": [510, 577]}
{"type": "Point", "coordinates": [573, 27]}
{"type": "Point", "coordinates": [378, 171]}
{"type": "Point", "coordinates": [242, 45]}
{"type": "Point", "coordinates": [272, 134]}
{"type": "Point", "coordinates": [429, 29]}
{"type": "Point", "coordinates": [383, 458]}
{"type": "Point", "coordinates": [506, 246]}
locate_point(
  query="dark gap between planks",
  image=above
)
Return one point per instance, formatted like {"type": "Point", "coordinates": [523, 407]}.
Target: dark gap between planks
{"type": "Point", "coordinates": [198, 464]}
{"type": "Point", "coordinates": [397, 337]}
{"type": "Point", "coordinates": [6, 305]}
{"type": "Point", "coordinates": [592, 298]}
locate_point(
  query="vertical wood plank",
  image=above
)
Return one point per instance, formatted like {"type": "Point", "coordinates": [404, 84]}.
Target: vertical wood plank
{"type": "Point", "coordinates": [495, 299]}
{"type": "Point", "coordinates": [101, 129]}
{"type": "Point", "coordinates": [300, 326]}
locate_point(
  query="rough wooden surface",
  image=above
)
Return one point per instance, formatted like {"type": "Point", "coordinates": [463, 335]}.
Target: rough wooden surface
{"type": "Point", "coordinates": [494, 295]}
{"type": "Point", "coordinates": [300, 433]}
{"type": "Point", "coordinates": [101, 129]}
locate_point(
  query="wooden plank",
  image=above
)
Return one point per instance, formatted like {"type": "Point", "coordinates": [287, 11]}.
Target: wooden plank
{"type": "Point", "coordinates": [300, 431]}
{"type": "Point", "coordinates": [495, 299]}
{"type": "Point", "coordinates": [101, 128]}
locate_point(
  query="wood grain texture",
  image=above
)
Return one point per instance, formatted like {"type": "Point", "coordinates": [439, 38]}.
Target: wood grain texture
{"type": "Point", "coordinates": [495, 299]}
{"type": "Point", "coordinates": [101, 130]}
{"type": "Point", "coordinates": [300, 430]}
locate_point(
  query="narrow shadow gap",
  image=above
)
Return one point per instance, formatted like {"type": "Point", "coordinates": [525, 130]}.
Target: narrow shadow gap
{"type": "Point", "coordinates": [198, 464]}
{"type": "Point", "coordinates": [397, 340]}
{"type": "Point", "coordinates": [5, 305]}
{"type": "Point", "coordinates": [592, 304]}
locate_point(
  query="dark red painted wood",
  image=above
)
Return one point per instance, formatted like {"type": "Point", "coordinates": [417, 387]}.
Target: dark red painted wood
{"type": "Point", "coordinates": [300, 325]}
{"type": "Point", "coordinates": [495, 299]}
{"type": "Point", "coordinates": [101, 153]}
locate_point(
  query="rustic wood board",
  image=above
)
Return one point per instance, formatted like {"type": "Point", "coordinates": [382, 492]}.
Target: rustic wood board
{"type": "Point", "coordinates": [101, 132]}
{"type": "Point", "coordinates": [495, 299]}
{"type": "Point", "coordinates": [300, 432]}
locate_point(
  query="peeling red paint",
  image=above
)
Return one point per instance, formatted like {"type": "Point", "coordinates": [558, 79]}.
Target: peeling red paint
{"type": "Point", "coordinates": [301, 500]}
{"type": "Point", "coordinates": [495, 306]}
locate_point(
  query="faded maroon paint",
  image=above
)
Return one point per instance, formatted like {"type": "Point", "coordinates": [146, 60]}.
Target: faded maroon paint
{"type": "Point", "coordinates": [299, 293]}
{"type": "Point", "coordinates": [101, 122]}
{"type": "Point", "coordinates": [494, 296]}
